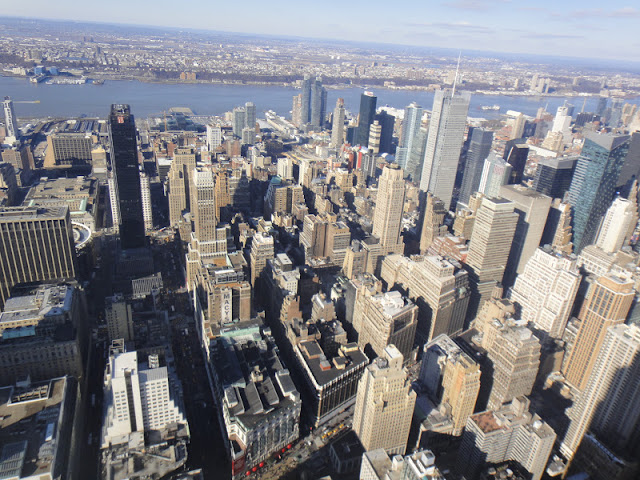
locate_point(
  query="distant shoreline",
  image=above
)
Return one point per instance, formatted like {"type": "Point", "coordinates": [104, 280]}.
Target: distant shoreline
{"type": "Point", "coordinates": [488, 93]}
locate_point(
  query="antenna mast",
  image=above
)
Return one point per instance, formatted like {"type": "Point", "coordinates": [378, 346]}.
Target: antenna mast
{"type": "Point", "coordinates": [455, 80]}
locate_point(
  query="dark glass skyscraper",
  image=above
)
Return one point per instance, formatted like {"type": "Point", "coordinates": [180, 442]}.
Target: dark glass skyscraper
{"type": "Point", "coordinates": [594, 183]}
{"type": "Point", "coordinates": [387, 122]}
{"type": "Point", "coordinates": [479, 148]}
{"type": "Point", "coordinates": [126, 174]}
{"type": "Point", "coordinates": [367, 113]}
{"type": "Point", "coordinates": [314, 102]}
{"type": "Point", "coordinates": [553, 176]}
{"type": "Point", "coordinates": [516, 153]}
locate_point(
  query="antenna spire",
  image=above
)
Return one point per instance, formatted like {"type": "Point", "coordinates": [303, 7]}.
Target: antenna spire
{"type": "Point", "coordinates": [455, 80]}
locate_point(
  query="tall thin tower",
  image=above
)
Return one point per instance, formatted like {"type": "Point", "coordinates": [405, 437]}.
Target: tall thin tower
{"type": "Point", "coordinates": [446, 135]}
{"type": "Point", "coordinates": [387, 219]}
{"type": "Point", "coordinates": [10, 119]}
{"type": "Point", "coordinates": [337, 127]}
{"type": "Point", "coordinates": [126, 175]}
{"type": "Point", "coordinates": [607, 304]}
{"type": "Point", "coordinates": [493, 232]}
{"type": "Point", "coordinates": [410, 128]}
{"type": "Point", "coordinates": [365, 118]}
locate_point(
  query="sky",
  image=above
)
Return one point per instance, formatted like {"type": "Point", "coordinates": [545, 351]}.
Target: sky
{"type": "Point", "coordinates": [587, 28]}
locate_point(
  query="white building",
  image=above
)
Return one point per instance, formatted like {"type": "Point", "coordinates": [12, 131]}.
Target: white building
{"type": "Point", "coordinates": [618, 223]}
{"type": "Point", "coordinates": [376, 465]}
{"type": "Point", "coordinates": [285, 168]}
{"type": "Point", "coordinates": [113, 198]}
{"type": "Point", "coordinates": [495, 174]}
{"type": "Point", "coordinates": [145, 192]}
{"type": "Point", "coordinates": [546, 290]}
{"type": "Point", "coordinates": [214, 137]}
{"type": "Point", "coordinates": [562, 124]}
{"type": "Point", "coordinates": [509, 433]}
{"type": "Point", "coordinates": [139, 398]}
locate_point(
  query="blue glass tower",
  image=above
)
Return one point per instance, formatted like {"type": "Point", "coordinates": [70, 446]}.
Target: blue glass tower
{"type": "Point", "coordinates": [594, 183]}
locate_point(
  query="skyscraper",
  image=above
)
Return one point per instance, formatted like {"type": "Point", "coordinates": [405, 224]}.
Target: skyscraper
{"type": "Point", "coordinates": [495, 173]}
{"type": "Point", "coordinates": [214, 137]}
{"type": "Point", "coordinates": [415, 156]}
{"type": "Point", "coordinates": [515, 359]}
{"type": "Point", "coordinates": [618, 225]}
{"type": "Point", "coordinates": [375, 131]}
{"type": "Point", "coordinates": [305, 101]}
{"type": "Point", "coordinates": [384, 404]}
{"type": "Point", "coordinates": [594, 182]}
{"type": "Point", "coordinates": [261, 250]}
{"type": "Point", "coordinates": [250, 116]}
{"type": "Point", "coordinates": [203, 207]}
{"type": "Point", "coordinates": [557, 231]}
{"type": "Point", "coordinates": [553, 176]}
{"type": "Point", "coordinates": [516, 153]}
{"type": "Point", "coordinates": [36, 244]}
{"type": "Point", "coordinates": [10, 119]}
{"type": "Point", "coordinates": [239, 119]}
{"type": "Point", "coordinates": [387, 123]}
{"type": "Point", "coordinates": [493, 232]}
{"type": "Point", "coordinates": [184, 161]}
{"type": "Point", "coordinates": [479, 148]}
{"type": "Point", "coordinates": [385, 319]}
{"type": "Point", "coordinates": [507, 433]}
{"type": "Point", "coordinates": [546, 290]}
{"type": "Point", "coordinates": [145, 194]}
{"type": "Point", "coordinates": [607, 304]}
{"type": "Point", "coordinates": [387, 218]}
{"type": "Point", "coordinates": [318, 103]}
{"type": "Point", "coordinates": [141, 397]}
{"type": "Point", "coordinates": [609, 406]}
{"type": "Point", "coordinates": [433, 222]}
{"type": "Point", "coordinates": [410, 128]}
{"type": "Point", "coordinates": [446, 135]}
{"type": "Point", "coordinates": [126, 176]}
{"type": "Point", "coordinates": [337, 126]}
{"type": "Point", "coordinates": [365, 118]}
{"type": "Point", "coordinates": [440, 288]}
{"type": "Point", "coordinates": [532, 209]}
{"type": "Point", "coordinates": [451, 378]}
{"type": "Point", "coordinates": [312, 103]}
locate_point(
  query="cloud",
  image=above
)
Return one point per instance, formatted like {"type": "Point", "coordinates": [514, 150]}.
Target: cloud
{"type": "Point", "coordinates": [531, 9]}
{"type": "Point", "coordinates": [461, 26]}
{"type": "Point", "coordinates": [478, 5]}
{"type": "Point", "coordinates": [624, 13]}
{"type": "Point", "coordinates": [551, 36]}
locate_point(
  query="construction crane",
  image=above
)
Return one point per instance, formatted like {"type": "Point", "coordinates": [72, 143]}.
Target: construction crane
{"type": "Point", "coordinates": [26, 101]}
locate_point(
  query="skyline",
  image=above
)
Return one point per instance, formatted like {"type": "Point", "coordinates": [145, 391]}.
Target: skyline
{"type": "Point", "coordinates": [551, 29]}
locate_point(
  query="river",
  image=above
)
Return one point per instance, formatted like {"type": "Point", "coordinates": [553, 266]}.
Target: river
{"type": "Point", "coordinates": [214, 99]}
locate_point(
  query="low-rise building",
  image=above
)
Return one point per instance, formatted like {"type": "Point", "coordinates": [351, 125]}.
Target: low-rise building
{"type": "Point", "coordinates": [258, 403]}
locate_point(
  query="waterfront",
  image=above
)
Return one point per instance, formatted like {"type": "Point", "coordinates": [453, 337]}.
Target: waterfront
{"type": "Point", "coordinates": [215, 99]}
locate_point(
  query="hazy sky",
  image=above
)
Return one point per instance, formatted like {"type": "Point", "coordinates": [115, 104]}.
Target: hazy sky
{"type": "Point", "coordinates": [585, 28]}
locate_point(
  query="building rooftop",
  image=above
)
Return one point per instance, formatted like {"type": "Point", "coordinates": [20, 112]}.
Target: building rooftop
{"type": "Point", "coordinates": [30, 428]}
{"type": "Point", "coordinates": [255, 382]}
{"type": "Point", "coordinates": [46, 302]}
{"type": "Point", "coordinates": [326, 370]}
{"type": "Point", "coordinates": [17, 214]}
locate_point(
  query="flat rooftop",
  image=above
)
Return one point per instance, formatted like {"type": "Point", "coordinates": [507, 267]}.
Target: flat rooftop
{"type": "Point", "coordinates": [324, 369]}
{"type": "Point", "coordinates": [29, 422]}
